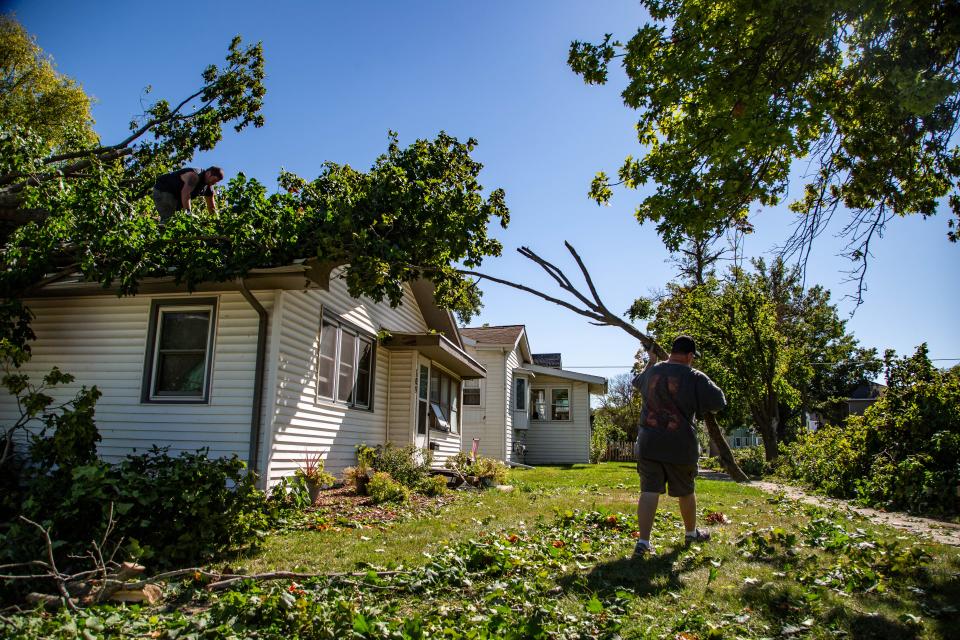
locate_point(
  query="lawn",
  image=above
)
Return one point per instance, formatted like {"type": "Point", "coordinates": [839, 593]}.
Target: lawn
{"type": "Point", "coordinates": [551, 559]}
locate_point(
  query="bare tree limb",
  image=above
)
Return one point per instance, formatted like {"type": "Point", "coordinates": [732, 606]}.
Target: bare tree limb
{"type": "Point", "coordinates": [599, 314]}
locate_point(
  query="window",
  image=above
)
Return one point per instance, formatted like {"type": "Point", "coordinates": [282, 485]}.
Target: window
{"type": "Point", "coordinates": [472, 393]}
{"type": "Point", "coordinates": [559, 408]}
{"type": "Point", "coordinates": [179, 357]}
{"type": "Point", "coordinates": [444, 399]}
{"type": "Point", "coordinates": [422, 400]}
{"type": "Point", "coordinates": [560, 404]}
{"type": "Point", "coordinates": [344, 364]}
{"type": "Point", "coordinates": [521, 399]}
{"type": "Point", "coordinates": [539, 404]}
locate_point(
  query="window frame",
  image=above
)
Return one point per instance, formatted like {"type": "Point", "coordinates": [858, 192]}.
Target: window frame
{"type": "Point", "coordinates": [360, 338]}
{"type": "Point", "coordinates": [453, 404]}
{"type": "Point", "coordinates": [518, 395]}
{"type": "Point", "coordinates": [548, 402]}
{"type": "Point", "coordinates": [158, 306]}
{"type": "Point", "coordinates": [479, 388]}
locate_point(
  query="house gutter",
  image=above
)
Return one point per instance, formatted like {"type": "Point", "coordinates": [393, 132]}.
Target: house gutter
{"type": "Point", "coordinates": [253, 457]}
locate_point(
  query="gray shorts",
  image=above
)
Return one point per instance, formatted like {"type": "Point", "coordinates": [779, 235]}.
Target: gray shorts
{"type": "Point", "coordinates": [167, 203]}
{"type": "Point", "coordinates": [677, 480]}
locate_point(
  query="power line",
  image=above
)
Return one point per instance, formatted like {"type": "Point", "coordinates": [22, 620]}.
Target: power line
{"type": "Point", "coordinates": [630, 366]}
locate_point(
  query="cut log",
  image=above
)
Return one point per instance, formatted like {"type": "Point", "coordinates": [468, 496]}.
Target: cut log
{"type": "Point", "coordinates": [149, 593]}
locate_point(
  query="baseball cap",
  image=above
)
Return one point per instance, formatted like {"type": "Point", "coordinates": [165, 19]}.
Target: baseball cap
{"type": "Point", "coordinates": [685, 344]}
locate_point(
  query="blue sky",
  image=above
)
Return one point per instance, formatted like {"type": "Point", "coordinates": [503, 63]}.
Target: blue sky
{"type": "Point", "coordinates": [340, 75]}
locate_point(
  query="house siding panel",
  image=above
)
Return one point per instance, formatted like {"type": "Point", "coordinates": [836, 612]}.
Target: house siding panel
{"type": "Point", "coordinates": [488, 421]}
{"type": "Point", "coordinates": [299, 421]}
{"type": "Point", "coordinates": [101, 340]}
{"type": "Point", "coordinates": [561, 442]}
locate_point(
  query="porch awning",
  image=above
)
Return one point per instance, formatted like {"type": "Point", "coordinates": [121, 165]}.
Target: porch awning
{"type": "Point", "coordinates": [438, 348]}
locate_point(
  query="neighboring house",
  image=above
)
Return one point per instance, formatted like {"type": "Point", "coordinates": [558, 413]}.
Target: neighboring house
{"type": "Point", "coordinates": [268, 368]}
{"type": "Point", "coordinates": [743, 437]}
{"type": "Point", "coordinates": [862, 396]}
{"type": "Point", "coordinates": [528, 409]}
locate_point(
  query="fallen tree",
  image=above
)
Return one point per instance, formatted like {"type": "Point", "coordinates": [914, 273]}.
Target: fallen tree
{"type": "Point", "coordinates": [592, 307]}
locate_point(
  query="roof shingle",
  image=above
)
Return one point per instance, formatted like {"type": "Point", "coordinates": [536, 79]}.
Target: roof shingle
{"type": "Point", "coordinates": [507, 334]}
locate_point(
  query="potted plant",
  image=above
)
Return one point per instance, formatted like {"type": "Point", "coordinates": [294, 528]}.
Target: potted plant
{"type": "Point", "coordinates": [314, 476]}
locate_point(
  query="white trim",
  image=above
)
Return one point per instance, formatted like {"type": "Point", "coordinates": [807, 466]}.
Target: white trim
{"type": "Point", "coordinates": [563, 373]}
{"type": "Point", "coordinates": [205, 391]}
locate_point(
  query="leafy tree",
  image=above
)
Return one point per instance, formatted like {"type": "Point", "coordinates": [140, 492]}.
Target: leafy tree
{"type": "Point", "coordinates": [901, 453]}
{"type": "Point", "coordinates": [765, 340]}
{"type": "Point", "coordinates": [730, 93]}
{"type": "Point", "coordinates": [35, 97]}
{"type": "Point", "coordinates": [620, 407]}
{"type": "Point", "coordinates": [418, 211]}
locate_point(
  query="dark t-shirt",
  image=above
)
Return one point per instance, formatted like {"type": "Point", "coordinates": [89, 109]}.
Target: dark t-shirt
{"type": "Point", "coordinates": [173, 183]}
{"type": "Point", "coordinates": [673, 396]}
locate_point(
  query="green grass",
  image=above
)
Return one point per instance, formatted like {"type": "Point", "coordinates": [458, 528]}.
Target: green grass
{"type": "Point", "coordinates": [676, 580]}
{"type": "Point", "coordinates": [499, 563]}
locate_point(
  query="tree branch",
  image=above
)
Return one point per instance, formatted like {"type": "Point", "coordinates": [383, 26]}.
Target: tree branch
{"type": "Point", "coordinates": [599, 314]}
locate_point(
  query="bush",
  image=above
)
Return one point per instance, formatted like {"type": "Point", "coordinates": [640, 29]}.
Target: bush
{"type": "Point", "coordinates": [752, 460]}
{"type": "Point", "coordinates": [489, 469]}
{"type": "Point", "coordinates": [434, 486]}
{"type": "Point", "coordinates": [383, 488]}
{"type": "Point", "coordinates": [408, 465]}
{"type": "Point", "coordinates": [171, 511]}
{"type": "Point", "coordinates": [902, 453]}
{"type": "Point", "coordinates": [603, 430]}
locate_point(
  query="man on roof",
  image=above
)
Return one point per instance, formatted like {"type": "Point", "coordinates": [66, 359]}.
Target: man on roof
{"type": "Point", "coordinates": [173, 191]}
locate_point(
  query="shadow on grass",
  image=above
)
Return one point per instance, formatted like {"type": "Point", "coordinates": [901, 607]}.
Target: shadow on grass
{"type": "Point", "coordinates": [647, 575]}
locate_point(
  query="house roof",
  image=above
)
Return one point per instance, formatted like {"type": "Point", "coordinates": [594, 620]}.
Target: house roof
{"type": "Point", "coordinates": [596, 384]}
{"type": "Point", "coordinates": [439, 348]}
{"type": "Point", "coordinates": [867, 391]}
{"type": "Point", "coordinates": [548, 360]}
{"type": "Point", "coordinates": [504, 335]}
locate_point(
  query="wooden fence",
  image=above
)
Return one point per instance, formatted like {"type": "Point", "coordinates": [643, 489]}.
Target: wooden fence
{"type": "Point", "coordinates": [618, 451]}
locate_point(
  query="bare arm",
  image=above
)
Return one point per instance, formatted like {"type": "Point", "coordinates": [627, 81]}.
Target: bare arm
{"type": "Point", "coordinates": [189, 182]}
{"type": "Point", "coordinates": [211, 201]}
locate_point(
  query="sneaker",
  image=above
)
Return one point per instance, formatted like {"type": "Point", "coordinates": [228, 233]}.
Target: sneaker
{"type": "Point", "coordinates": [699, 535]}
{"type": "Point", "coordinates": [642, 549]}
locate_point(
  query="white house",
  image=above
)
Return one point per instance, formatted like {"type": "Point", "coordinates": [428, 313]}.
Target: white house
{"type": "Point", "coordinates": [528, 409]}
{"type": "Point", "coordinates": [279, 364]}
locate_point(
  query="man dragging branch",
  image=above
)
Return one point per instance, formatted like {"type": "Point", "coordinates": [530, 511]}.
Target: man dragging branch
{"type": "Point", "coordinates": [674, 394]}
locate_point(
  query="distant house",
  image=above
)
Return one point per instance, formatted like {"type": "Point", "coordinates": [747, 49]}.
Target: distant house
{"type": "Point", "coordinates": [267, 368]}
{"type": "Point", "coordinates": [861, 397]}
{"type": "Point", "coordinates": [864, 395]}
{"type": "Point", "coordinates": [743, 437]}
{"type": "Point", "coordinates": [527, 409]}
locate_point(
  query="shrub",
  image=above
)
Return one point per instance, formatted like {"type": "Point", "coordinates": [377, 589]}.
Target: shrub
{"type": "Point", "coordinates": [312, 471]}
{"type": "Point", "coordinates": [752, 460]}
{"type": "Point", "coordinates": [383, 488]}
{"type": "Point", "coordinates": [901, 453]}
{"type": "Point", "coordinates": [408, 465]}
{"type": "Point", "coordinates": [602, 431]}
{"type": "Point", "coordinates": [434, 486]}
{"type": "Point", "coordinates": [172, 511]}
{"type": "Point", "coordinates": [494, 471]}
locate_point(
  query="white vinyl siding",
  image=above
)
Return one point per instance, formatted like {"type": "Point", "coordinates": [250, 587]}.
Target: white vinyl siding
{"type": "Point", "coordinates": [101, 340]}
{"type": "Point", "coordinates": [487, 422]}
{"type": "Point", "coordinates": [561, 441]}
{"type": "Point", "coordinates": [303, 422]}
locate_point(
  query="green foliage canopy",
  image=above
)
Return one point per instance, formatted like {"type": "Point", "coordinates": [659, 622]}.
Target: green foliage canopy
{"type": "Point", "coordinates": [730, 93]}
{"type": "Point", "coordinates": [34, 96]}
{"type": "Point", "coordinates": [774, 347]}
{"type": "Point", "coordinates": [901, 453]}
{"type": "Point", "coordinates": [419, 211]}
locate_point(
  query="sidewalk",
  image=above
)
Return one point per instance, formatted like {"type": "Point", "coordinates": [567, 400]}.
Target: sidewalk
{"type": "Point", "coordinates": [927, 528]}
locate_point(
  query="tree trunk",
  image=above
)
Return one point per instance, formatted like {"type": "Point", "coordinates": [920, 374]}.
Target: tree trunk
{"type": "Point", "coordinates": [726, 455]}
